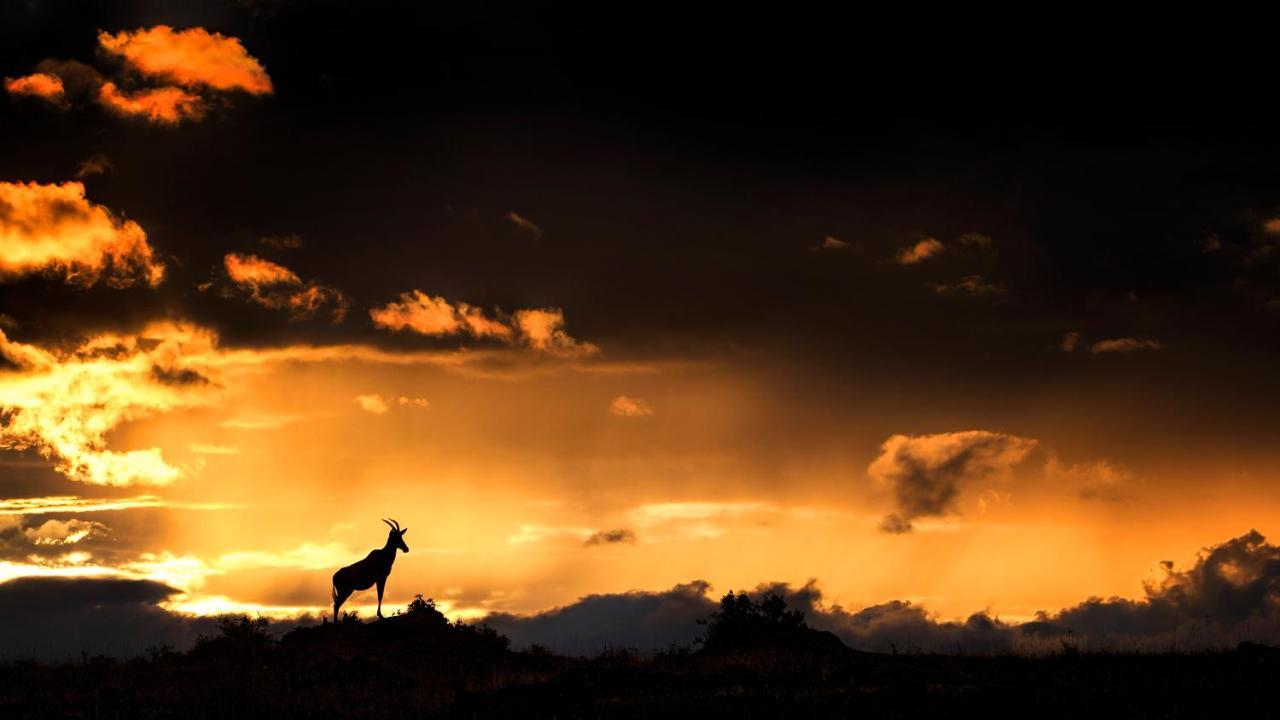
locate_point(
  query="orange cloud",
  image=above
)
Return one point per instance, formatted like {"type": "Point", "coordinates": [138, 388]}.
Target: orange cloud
{"type": "Point", "coordinates": [42, 85]}
{"type": "Point", "coordinates": [372, 403]}
{"type": "Point", "coordinates": [543, 330]}
{"type": "Point", "coordinates": [1070, 341]}
{"type": "Point", "coordinates": [918, 252]}
{"type": "Point", "coordinates": [54, 228]}
{"type": "Point", "coordinates": [73, 503]}
{"type": "Point", "coordinates": [276, 286]}
{"type": "Point", "coordinates": [252, 270]}
{"type": "Point", "coordinates": [624, 406]}
{"type": "Point", "coordinates": [193, 57]}
{"type": "Point", "coordinates": [162, 106]}
{"type": "Point", "coordinates": [1123, 345]}
{"type": "Point", "coordinates": [379, 405]}
{"type": "Point", "coordinates": [538, 329]}
{"type": "Point", "coordinates": [427, 315]}
{"type": "Point", "coordinates": [64, 403]}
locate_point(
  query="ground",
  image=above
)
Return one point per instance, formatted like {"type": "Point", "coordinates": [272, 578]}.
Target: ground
{"type": "Point", "coordinates": [419, 665]}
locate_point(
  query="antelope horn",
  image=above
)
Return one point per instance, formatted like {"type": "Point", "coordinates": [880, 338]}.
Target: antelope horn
{"type": "Point", "coordinates": [397, 522]}
{"type": "Point", "coordinates": [388, 522]}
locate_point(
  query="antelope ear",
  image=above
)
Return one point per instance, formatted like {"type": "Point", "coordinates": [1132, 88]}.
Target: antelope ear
{"type": "Point", "coordinates": [402, 532]}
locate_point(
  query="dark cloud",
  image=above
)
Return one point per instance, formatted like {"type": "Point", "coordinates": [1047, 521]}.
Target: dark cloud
{"type": "Point", "coordinates": [926, 472]}
{"type": "Point", "coordinates": [177, 376]}
{"type": "Point", "coordinates": [524, 223]}
{"type": "Point", "coordinates": [895, 524]}
{"type": "Point", "coordinates": [282, 242]}
{"type": "Point", "coordinates": [80, 82]}
{"type": "Point", "coordinates": [972, 286]}
{"type": "Point", "coordinates": [900, 626]}
{"type": "Point", "coordinates": [611, 537]}
{"type": "Point", "coordinates": [652, 621]}
{"type": "Point", "coordinates": [641, 620]}
{"type": "Point", "coordinates": [59, 618]}
{"type": "Point", "coordinates": [977, 241]}
{"type": "Point", "coordinates": [62, 539]}
{"type": "Point", "coordinates": [1231, 593]}
{"type": "Point", "coordinates": [95, 164]}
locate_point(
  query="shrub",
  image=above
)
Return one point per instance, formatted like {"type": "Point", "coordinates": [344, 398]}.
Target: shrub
{"type": "Point", "coordinates": [744, 622]}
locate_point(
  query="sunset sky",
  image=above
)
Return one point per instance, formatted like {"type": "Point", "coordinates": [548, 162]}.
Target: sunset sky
{"type": "Point", "coordinates": [982, 322]}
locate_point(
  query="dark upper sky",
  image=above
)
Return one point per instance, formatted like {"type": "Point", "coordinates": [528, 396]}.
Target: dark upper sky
{"type": "Point", "coordinates": [682, 163]}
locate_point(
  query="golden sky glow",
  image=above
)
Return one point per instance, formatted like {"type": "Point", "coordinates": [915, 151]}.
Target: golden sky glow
{"type": "Point", "coordinates": [502, 511]}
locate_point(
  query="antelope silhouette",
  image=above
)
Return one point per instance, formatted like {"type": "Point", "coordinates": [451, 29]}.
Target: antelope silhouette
{"type": "Point", "coordinates": [374, 568]}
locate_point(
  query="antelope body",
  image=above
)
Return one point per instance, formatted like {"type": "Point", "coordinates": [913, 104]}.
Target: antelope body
{"type": "Point", "coordinates": [372, 570]}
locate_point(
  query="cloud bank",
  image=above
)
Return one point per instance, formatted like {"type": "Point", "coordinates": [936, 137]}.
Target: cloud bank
{"type": "Point", "coordinates": [1231, 593]}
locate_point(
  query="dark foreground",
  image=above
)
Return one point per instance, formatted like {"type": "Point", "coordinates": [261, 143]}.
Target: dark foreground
{"type": "Point", "coordinates": [418, 665]}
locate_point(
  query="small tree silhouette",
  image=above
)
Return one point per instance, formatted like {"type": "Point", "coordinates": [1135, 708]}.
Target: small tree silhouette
{"type": "Point", "coordinates": [243, 630]}
{"type": "Point", "coordinates": [744, 622]}
{"type": "Point", "coordinates": [418, 605]}
{"type": "Point", "coordinates": [238, 635]}
{"type": "Point", "coordinates": [425, 611]}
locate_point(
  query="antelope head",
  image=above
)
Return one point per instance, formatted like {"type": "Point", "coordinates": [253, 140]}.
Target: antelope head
{"type": "Point", "coordinates": [395, 538]}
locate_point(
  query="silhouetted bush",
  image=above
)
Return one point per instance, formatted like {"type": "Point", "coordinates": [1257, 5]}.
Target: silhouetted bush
{"type": "Point", "coordinates": [425, 611]}
{"type": "Point", "coordinates": [238, 636]}
{"type": "Point", "coordinates": [243, 630]}
{"type": "Point", "coordinates": [743, 622]}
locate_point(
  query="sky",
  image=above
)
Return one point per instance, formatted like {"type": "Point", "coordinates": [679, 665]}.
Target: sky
{"type": "Point", "coordinates": [955, 335]}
